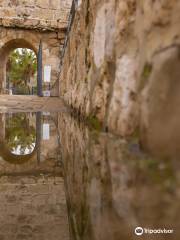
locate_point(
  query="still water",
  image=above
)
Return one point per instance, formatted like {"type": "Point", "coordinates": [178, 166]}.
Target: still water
{"type": "Point", "coordinates": [61, 180]}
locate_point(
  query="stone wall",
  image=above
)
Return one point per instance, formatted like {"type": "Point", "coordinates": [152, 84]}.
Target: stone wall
{"type": "Point", "coordinates": [35, 13]}
{"type": "Point", "coordinates": [122, 67]}
{"type": "Point", "coordinates": [99, 72]}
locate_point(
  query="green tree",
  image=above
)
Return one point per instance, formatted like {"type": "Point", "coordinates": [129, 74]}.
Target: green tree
{"type": "Point", "coordinates": [21, 66]}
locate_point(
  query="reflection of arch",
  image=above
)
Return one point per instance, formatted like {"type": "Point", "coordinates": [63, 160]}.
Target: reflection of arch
{"type": "Point", "coordinates": [8, 156]}
{"type": "Point", "coordinates": [4, 53]}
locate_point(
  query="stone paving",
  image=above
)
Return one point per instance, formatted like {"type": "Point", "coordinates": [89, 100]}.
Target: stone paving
{"type": "Point", "coordinates": [20, 103]}
{"type": "Point", "coordinates": [33, 208]}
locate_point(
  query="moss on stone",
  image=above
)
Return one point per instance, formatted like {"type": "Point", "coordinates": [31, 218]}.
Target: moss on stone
{"type": "Point", "coordinates": [94, 122]}
{"type": "Point", "coordinates": [136, 134]}
{"type": "Point", "coordinates": [145, 75]}
{"type": "Point", "coordinates": [147, 70]}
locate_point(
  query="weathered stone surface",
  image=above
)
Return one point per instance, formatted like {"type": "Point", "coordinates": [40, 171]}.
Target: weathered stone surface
{"type": "Point", "coordinates": [33, 23]}
{"type": "Point", "coordinates": [33, 208]}
{"type": "Point", "coordinates": [124, 97]}
{"type": "Point", "coordinates": [111, 50]}
{"type": "Point", "coordinates": [160, 104]}
{"type": "Point", "coordinates": [54, 13]}
{"type": "Point", "coordinates": [101, 80]}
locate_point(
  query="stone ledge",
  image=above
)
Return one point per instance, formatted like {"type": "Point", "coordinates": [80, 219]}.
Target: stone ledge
{"type": "Point", "coordinates": [22, 103]}
{"type": "Point", "coordinates": [33, 23]}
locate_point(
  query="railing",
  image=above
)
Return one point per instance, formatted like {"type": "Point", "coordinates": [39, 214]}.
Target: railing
{"type": "Point", "coordinates": [63, 49]}
{"type": "Point", "coordinates": [70, 22]}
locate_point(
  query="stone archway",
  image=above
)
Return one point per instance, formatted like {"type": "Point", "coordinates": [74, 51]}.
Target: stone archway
{"type": "Point", "coordinates": [4, 54]}
{"type": "Point", "coordinates": [21, 38]}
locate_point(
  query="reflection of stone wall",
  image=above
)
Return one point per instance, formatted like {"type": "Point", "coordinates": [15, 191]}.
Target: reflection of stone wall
{"type": "Point", "coordinates": [113, 187]}
{"type": "Point", "coordinates": [2, 124]}
{"type": "Point", "coordinates": [49, 165]}
{"type": "Point", "coordinates": [122, 59]}
{"type": "Point", "coordinates": [33, 208]}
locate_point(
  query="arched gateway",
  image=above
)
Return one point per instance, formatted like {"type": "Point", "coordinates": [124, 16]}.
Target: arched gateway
{"type": "Point", "coordinates": [37, 21]}
{"type": "Point", "coordinates": [29, 39]}
{"type": "Point", "coordinates": [5, 50]}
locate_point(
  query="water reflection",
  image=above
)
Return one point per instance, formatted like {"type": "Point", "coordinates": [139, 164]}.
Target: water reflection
{"type": "Point", "coordinates": [112, 187]}
{"type": "Point", "coordinates": [30, 139]}
{"type": "Point", "coordinates": [20, 133]}
{"type": "Point", "coordinates": [32, 198]}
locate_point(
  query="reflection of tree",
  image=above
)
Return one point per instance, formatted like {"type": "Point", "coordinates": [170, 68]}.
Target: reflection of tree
{"type": "Point", "coordinates": [20, 135]}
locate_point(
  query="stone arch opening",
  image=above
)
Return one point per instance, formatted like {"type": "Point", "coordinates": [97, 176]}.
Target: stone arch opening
{"type": "Point", "coordinates": [5, 51]}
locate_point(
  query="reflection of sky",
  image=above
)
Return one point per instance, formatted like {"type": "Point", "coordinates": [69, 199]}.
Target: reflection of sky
{"type": "Point", "coordinates": [17, 150]}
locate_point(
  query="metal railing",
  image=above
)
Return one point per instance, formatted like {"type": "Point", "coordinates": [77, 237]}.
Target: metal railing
{"type": "Point", "coordinates": [63, 49]}
{"type": "Point", "coordinates": [70, 22]}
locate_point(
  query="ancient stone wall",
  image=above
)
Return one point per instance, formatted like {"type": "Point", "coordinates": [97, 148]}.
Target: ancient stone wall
{"type": "Point", "coordinates": [121, 66]}
{"type": "Point", "coordinates": [99, 71]}
{"type": "Point", "coordinates": [34, 13]}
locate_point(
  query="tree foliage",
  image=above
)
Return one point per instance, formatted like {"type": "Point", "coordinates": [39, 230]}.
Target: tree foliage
{"type": "Point", "coordinates": [21, 66]}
